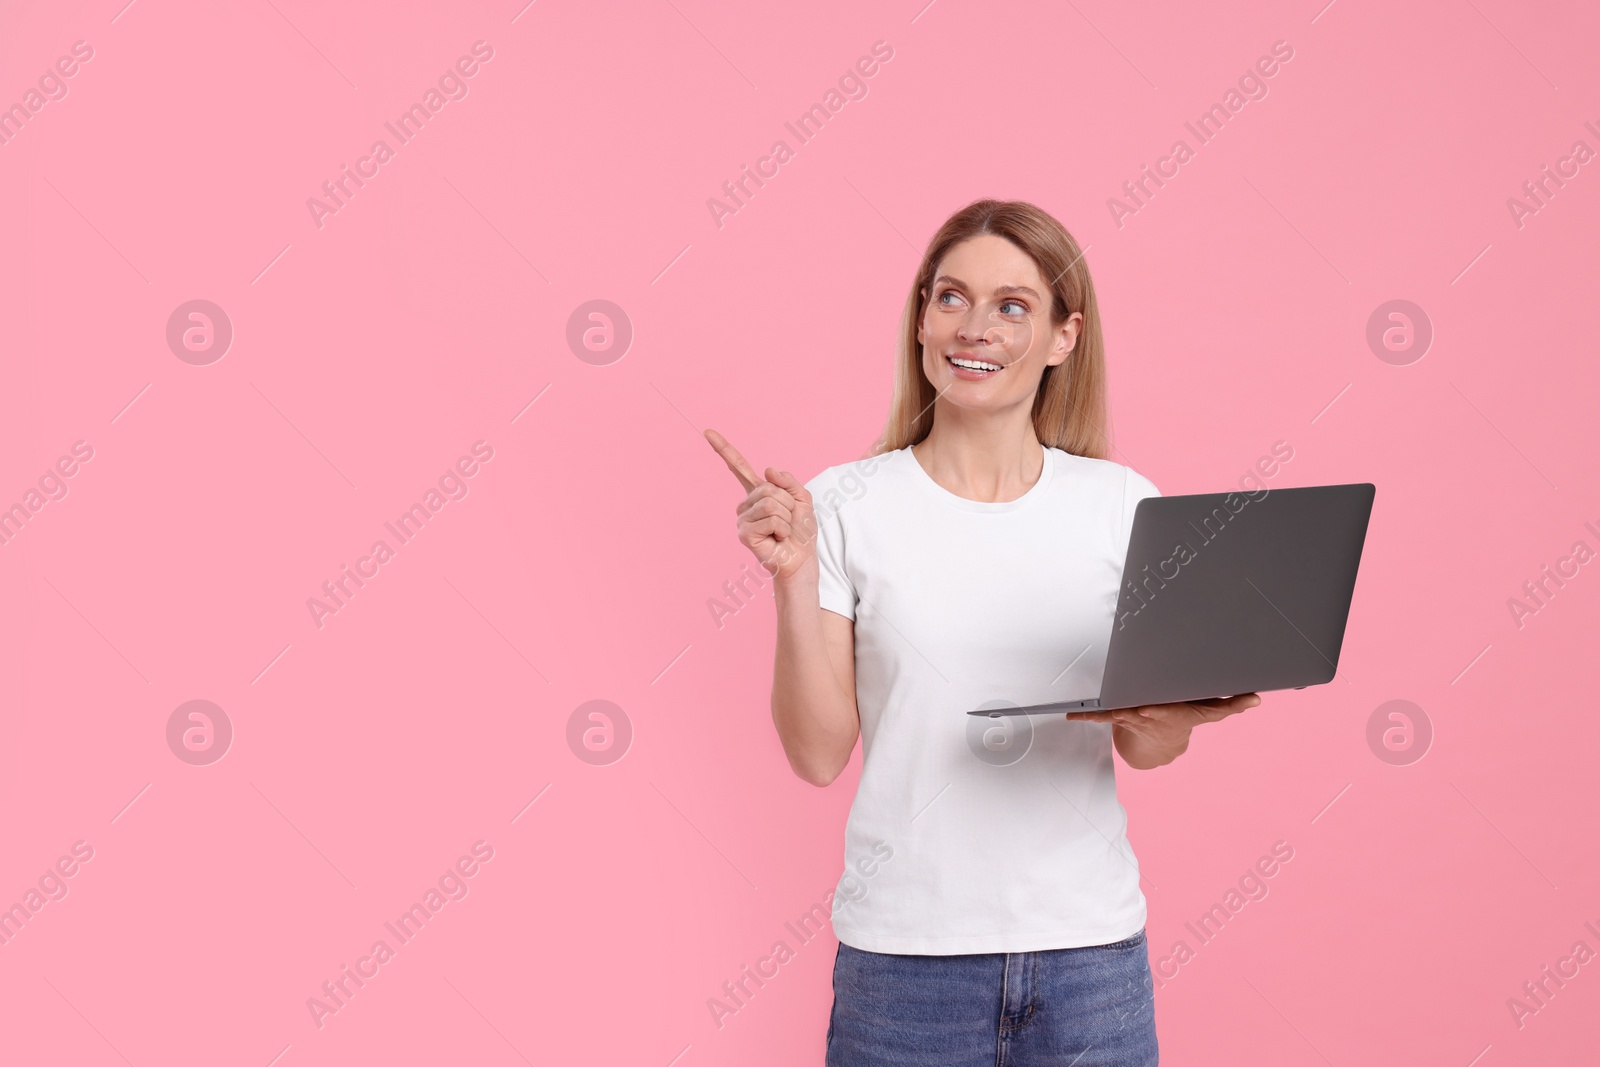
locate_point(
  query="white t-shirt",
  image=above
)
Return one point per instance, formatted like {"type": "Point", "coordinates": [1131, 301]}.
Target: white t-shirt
{"type": "Point", "coordinates": [971, 834]}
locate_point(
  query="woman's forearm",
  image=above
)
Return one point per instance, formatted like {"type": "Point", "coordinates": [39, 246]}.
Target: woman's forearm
{"type": "Point", "coordinates": [813, 695]}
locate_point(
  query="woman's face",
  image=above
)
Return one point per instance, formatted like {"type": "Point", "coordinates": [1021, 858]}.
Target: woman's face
{"type": "Point", "coordinates": [989, 307]}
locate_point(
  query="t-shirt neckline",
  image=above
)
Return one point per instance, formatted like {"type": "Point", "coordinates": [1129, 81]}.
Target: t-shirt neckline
{"type": "Point", "coordinates": [1035, 491]}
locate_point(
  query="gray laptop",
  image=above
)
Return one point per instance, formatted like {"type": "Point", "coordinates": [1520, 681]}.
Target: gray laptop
{"type": "Point", "coordinates": [1228, 593]}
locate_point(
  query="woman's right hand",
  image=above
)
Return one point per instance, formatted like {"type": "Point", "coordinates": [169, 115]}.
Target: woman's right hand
{"type": "Point", "coordinates": [776, 520]}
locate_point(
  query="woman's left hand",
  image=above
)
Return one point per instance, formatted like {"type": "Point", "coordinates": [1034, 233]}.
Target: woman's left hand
{"type": "Point", "coordinates": [1162, 730]}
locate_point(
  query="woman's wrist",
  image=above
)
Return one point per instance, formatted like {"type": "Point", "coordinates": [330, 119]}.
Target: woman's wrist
{"type": "Point", "coordinates": [802, 582]}
{"type": "Point", "coordinates": [1144, 754]}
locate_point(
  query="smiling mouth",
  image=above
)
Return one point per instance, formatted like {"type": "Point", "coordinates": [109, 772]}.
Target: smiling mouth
{"type": "Point", "coordinates": [974, 366]}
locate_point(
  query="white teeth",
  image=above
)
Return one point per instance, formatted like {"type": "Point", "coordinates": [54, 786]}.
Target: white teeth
{"type": "Point", "coordinates": [973, 364]}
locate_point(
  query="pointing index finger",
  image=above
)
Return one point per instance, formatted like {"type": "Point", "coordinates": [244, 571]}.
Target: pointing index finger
{"type": "Point", "coordinates": [736, 463]}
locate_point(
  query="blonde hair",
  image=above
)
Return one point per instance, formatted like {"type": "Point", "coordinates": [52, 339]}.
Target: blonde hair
{"type": "Point", "coordinates": [1069, 410]}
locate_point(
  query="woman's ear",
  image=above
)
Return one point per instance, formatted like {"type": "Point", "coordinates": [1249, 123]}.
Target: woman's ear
{"type": "Point", "coordinates": [1066, 338]}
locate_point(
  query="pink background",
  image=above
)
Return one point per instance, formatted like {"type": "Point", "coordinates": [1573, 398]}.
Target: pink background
{"type": "Point", "coordinates": [370, 353]}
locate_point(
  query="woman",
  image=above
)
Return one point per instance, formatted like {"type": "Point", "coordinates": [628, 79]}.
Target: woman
{"type": "Point", "coordinates": [990, 909]}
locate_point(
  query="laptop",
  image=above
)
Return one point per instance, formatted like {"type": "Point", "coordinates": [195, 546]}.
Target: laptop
{"type": "Point", "coordinates": [1229, 593]}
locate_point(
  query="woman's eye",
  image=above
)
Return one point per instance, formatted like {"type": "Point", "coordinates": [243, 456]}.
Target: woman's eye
{"type": "Point", "coordinates": [942, 296]}
{"type": "Point", "coordinates": [1022, 309]}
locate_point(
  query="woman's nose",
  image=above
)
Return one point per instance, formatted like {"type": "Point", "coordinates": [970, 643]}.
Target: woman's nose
{"type": "Point", "coordinates": [980, 326]}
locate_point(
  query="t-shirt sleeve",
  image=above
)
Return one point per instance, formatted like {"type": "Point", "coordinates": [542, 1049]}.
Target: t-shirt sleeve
{"type": "Point", "coordinates": [834, 589]}
{"type": "Point", "coordinates": [1136, 487]}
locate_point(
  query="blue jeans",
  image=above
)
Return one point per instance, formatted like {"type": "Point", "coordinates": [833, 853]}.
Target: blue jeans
{"type": "Point", "coordinates": [1083, 1007]}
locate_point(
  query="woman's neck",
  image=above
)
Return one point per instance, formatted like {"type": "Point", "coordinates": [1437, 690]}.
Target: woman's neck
{"type": "Point", "coordinates": [991, 463]}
